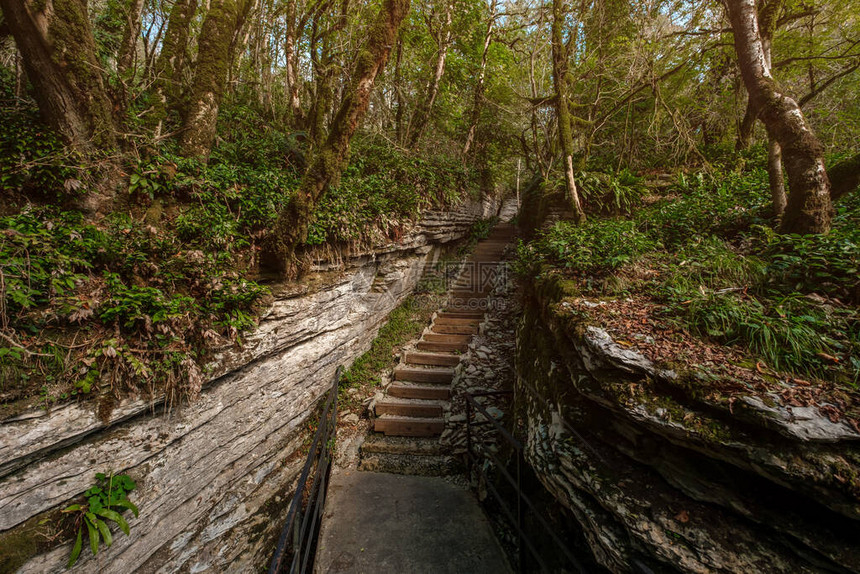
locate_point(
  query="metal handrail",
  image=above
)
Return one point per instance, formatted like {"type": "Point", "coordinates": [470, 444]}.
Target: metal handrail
{"type": "Point", "coordinates": [516, 519]}
{"type": "Point", "coordinates": [298, 542]}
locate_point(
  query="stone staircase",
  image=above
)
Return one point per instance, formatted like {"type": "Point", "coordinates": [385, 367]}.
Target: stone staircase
{"type": "Point", "coordinates": [412, 414]}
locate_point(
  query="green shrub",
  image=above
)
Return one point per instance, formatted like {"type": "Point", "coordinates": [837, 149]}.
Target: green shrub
{"type": "Point", "coordinates": [593, 248]}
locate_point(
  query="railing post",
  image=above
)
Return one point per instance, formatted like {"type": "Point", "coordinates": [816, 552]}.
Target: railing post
{"type": "Point", "coordinates": [520, 526]}
{"type": "Point", "coordinates": [469, 437]}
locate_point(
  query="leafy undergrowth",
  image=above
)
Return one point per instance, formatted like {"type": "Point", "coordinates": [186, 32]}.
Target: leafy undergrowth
{"type": "Point", "coordinates": [699, 277]}
{"type": "Point", "coordinates": [134, 302]}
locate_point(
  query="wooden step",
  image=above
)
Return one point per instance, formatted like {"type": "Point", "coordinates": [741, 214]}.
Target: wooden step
{"type": "Point", "coordinates": [437, 338]}
{"type": "Point", "coordinates": [476, 303]}
{"type": "Point", "coordinates": [408, 426]}
{"type": "Point", "coordinates": [419, 375]}
{"type": "Point", "coordinates": [461, 314]}
{"type": "Point", "coordinates": [438, 347]}
{"type": "Point", "coordinates": [409, 408]}
{"type": "Point", "coordinates": [432, 359]}
{"type": "Point", "coordinates": [455, 329]}
{"type": "Point", "coordinates": [456, 321]}
{"type": "Point", "coordinates": [414, 391]}
{"type": "Point", "coordinates": [469, 293]}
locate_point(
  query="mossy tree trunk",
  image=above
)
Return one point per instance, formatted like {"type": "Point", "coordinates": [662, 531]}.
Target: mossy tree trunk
{"type": "Point", "coordinates": [442, 35]}
{"type": "Point", "coordinates": [331, 157]}
{"type": "Point", "coordinates": [478, 96]}
{"type": "Point", "coordinates": [844, 177]}
{"type": "Point", "coordinates": [128, 46]}
{"type": "Point", "coordinates": [291, 63]}
{"type": "Point", "coordinates": [218, 39]}
{"type": "Point", "coordinates": [562, 105]}
{"type": "Point", "coordinates": [170, 65]}
{"type": "Point", "coordinates": [59, 53]}
{"type": "Point", "coordinates": [809, 207]}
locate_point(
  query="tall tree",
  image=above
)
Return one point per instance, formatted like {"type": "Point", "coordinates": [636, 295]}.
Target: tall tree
{"type": "Point", "coordinates": [59, 54]}
{"type": "Point", "coordinates": [171, 61]}
{"type": "Point", "coordinates": [478, 95]}
{"type": "Point", "coordinates": [560, 76]}
{"type": "Point", "coordinates": [218, 39]}
{"type": "Point", "coordinates": [330, 159]}
{"type": "Point", "coordinates": [441, 33]}
{"type": "Point", "coordinates": [809, 207]}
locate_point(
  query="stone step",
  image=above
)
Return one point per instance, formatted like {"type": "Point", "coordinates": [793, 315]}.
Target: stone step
{"type": "Point", "coordinates": [405, 390]}
{"type": "Point", "coordinates": [419, 465]}
{"type": "Point", "coordinates": [439, 347]}
{"type": "Point", "coordinates": [437, 338]}
{"type": "Point", "coordinates": [446, 320]}
{"type": "Point", "coordinates": [419, 375]}
{"type": "Point", "coordinates": [454, 329]}
{"type": "Point", "coordinates": [432, 359]}
{"type": "Point", "coordinates": [376, 443]}
{"type": "Point", "coordinates": [426, 409]}
{"type": "Point", "coordinates": [408, 426]}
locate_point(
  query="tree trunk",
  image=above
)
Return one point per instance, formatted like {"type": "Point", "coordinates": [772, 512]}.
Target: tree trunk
{"type": "Point", "coordinates": [291, 59]}
{"type": "Point", "coordinates": [422, 115]}
{"type": "Point", "coordinates": [565, 134]}
{"type": "Point", "coordinates": [128, 47]}
{"type": "Point", "coordinates": [218, 38]}
{"type": "Point", "coordinates": [747, 128]}
{"type": "Point", "coordinates": [171, 61]}
{"type": "Point", "coordinates": [844, 177]}
{"type": "Point", "coordinates": [479, 86]}
{"type": "Point", "coordinates": [331, 158]}
{"type": "Point", "coordinates": [809, 208]}
{"type": "Point", "coordinates": [775, 178]}
{"type": "Point", "coordinates": [398, 93]}
{"type": "Point", "coordinates": [56, 42]}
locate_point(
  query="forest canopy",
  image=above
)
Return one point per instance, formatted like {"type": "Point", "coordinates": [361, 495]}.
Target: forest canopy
{"type": "Point", "coordinates": [158, 157]}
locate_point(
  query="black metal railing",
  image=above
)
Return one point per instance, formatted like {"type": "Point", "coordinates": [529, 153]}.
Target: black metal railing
{"type": "Point", "coordinates": [516, 517]}
{"type": "Point", "coordinates": [298, 537]}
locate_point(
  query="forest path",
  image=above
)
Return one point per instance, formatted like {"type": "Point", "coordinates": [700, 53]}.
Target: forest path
{"type": "Point", "coordinates": [385, 518]}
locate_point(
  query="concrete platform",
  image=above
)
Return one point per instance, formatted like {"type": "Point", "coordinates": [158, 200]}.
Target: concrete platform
{"type": "Point", "coordinates": [380, 523]}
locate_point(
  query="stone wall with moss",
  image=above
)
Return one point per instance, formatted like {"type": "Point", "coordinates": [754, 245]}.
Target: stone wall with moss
{"type": "Point", "coordinates": [662, 479]}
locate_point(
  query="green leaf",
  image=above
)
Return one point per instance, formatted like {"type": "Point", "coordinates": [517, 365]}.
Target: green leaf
{"type": "Point", "coordinates": [103, 528]}
{"type": "Point", "coordinates": [72, 508]}
{"type": "Point", "coordinates": [127, 504]}
{"type": "Point", "coordinates": [94, 534]}
{"type": "Point", "coordinates": [116, 517]}
{"type": "Point", "coordinates": [76, 549]}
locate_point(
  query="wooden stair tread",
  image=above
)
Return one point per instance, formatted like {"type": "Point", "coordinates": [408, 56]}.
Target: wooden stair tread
{"type": "Point", "coordinates": [440, 359]}
{"type": "Point", "coordinates": [442, 347]}
{"type": "Point", "coordinates": [455, 329]}
{"type": "Point", "coordinates": [407, 390]}
{"type": "Point", "coordinates": [413, 408]}
{"type": "Point", "coordinates": [424, 375]}
{"type": "Point", "coordinates": [408, 426]}
{"type": "Point", "coordinates": [440, 338]}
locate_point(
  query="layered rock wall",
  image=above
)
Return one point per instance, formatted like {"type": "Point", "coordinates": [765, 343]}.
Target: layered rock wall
{"type": "Point", "coordinates": [214, 476]}
{"type": "Point", "coordinates": [660, 479]}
